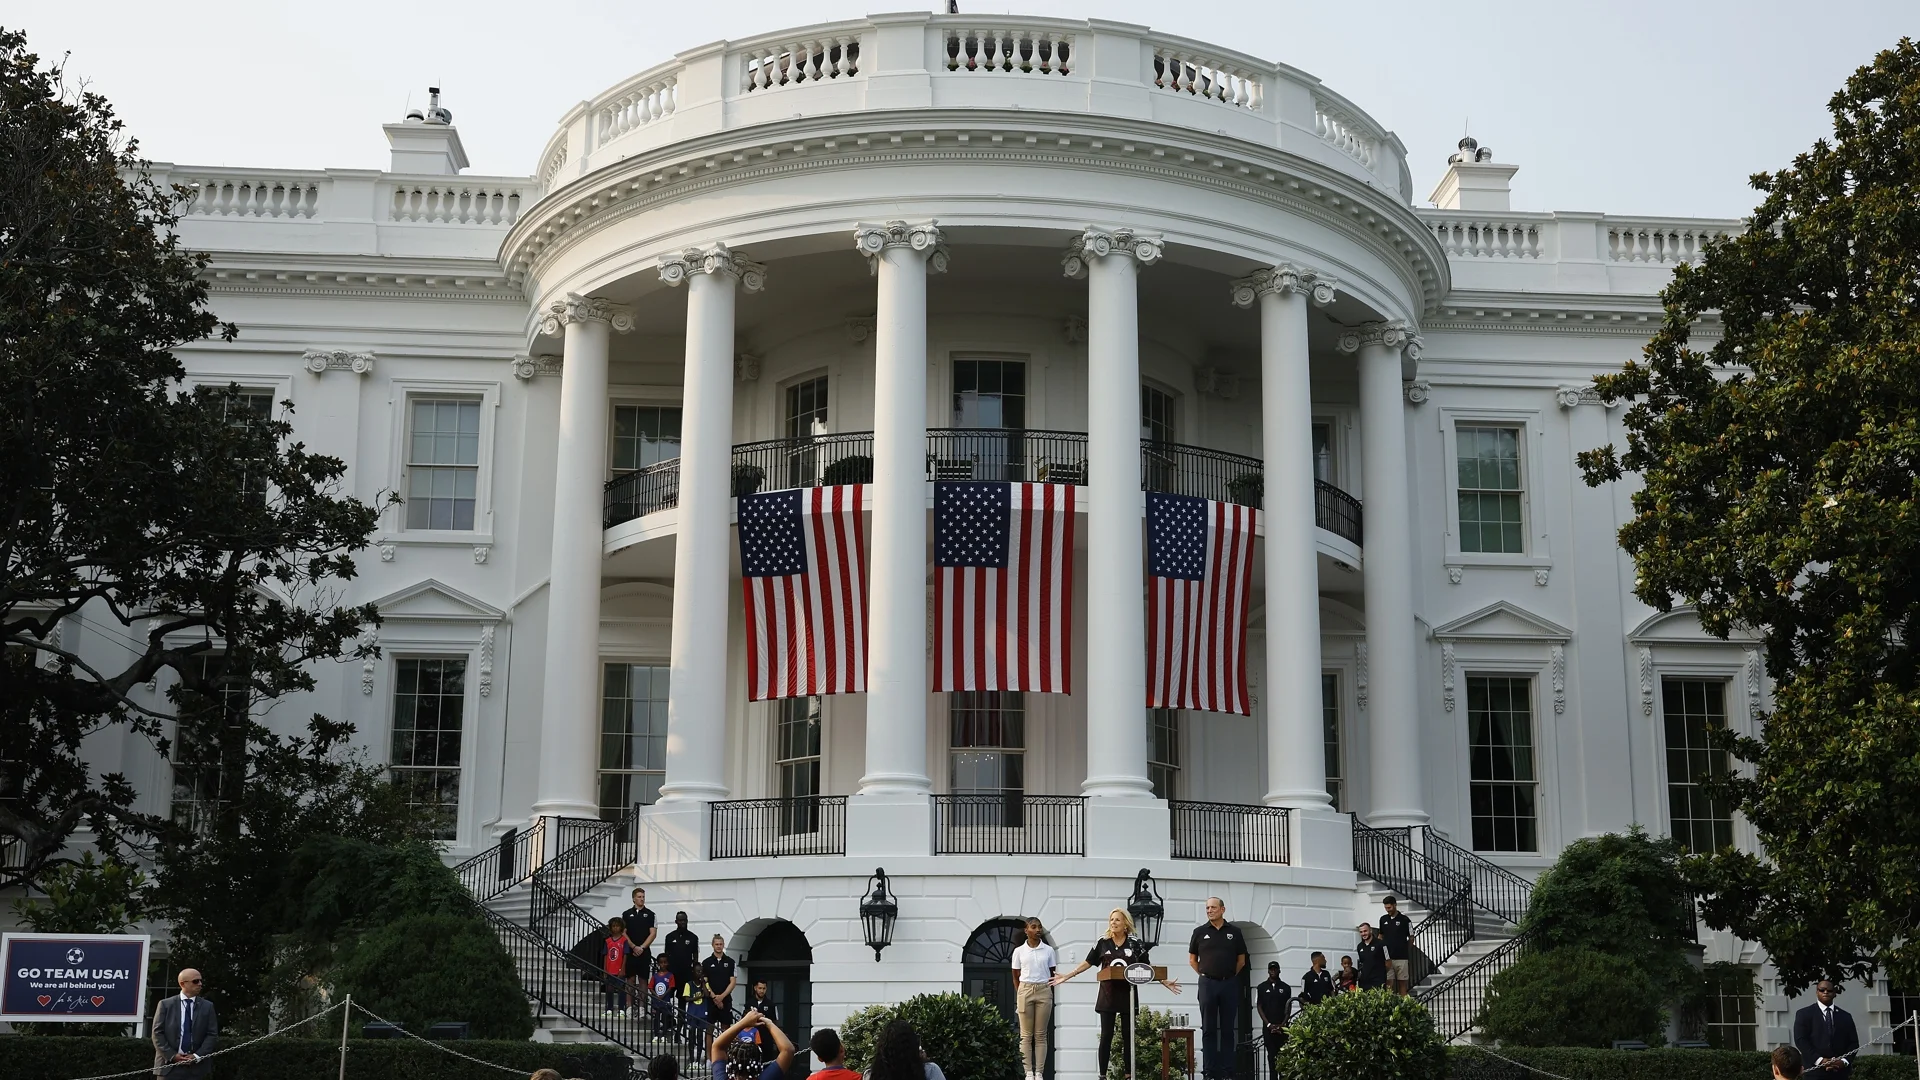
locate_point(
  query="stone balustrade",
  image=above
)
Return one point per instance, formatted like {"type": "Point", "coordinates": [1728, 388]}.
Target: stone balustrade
{"type": "Point", "coordinates": [1033, 65]}
{"type": "Point", "coordinates": [1568, 252]}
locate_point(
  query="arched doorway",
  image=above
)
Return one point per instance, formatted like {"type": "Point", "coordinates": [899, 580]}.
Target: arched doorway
{"type": "Point", "coordinates": [987, 971]}
{"type": "Point", "coordinates": [781, 955]}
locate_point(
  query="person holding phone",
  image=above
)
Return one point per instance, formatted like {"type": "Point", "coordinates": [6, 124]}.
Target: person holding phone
{"type": "Point", "coordinates": [734, 1058]}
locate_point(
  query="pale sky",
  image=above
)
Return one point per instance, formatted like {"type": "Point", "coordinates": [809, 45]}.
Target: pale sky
{"type": "Point", "coordinates": [1631, 106]}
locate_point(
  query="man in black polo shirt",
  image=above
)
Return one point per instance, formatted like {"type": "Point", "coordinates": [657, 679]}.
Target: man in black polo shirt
{"type": "Point", "coordinates": [1272, 1000]}
{"type": "Point", "coordinates": [1218, 952]}
{"type": "Point", "coordinates": [641, 930]}
{"type": "Point", "coordinates": [1371, 958]}
{"type": "Point", "coordinates": [1316, 985]}
{"type": "Point", "coordinates": [682, 950]}
{"type": "Point", "coordinates": [718, 971]}
{"type": "Point", "coordinates": [1395, 928]}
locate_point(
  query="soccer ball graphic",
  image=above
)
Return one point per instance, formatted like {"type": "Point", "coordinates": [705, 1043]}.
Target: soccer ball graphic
{"type": "Point", "coordinates": [75, 957]}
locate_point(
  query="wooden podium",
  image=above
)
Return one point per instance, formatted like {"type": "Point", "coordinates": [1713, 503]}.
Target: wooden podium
{"type": "Point", "coordinates": [1129, 974]}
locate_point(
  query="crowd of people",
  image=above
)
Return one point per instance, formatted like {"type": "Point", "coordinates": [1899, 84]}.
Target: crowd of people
{"type": "Point", "coordinates": [679, 993]}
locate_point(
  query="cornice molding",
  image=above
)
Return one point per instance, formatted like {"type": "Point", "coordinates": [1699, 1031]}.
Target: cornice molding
{"type": "Point", "coordinates": [716, 260]}
{"type": "Point", "coordinates": [1095, 242]}
{"type": "Point", "coordinates": [574, 308]}
{"type": "Point", "coordinates": [1281, 279]}
{"type": "Point", "coordinates": [922, 239]}
{"type": "Point", "coordinates": [1366, 215]}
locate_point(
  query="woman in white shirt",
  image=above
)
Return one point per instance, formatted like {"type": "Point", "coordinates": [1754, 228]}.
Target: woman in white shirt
{"type": "Point", "coordinates": [1033, 965]}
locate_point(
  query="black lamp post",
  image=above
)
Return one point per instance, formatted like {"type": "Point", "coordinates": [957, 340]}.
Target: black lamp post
{"type": "Point", "coordinates": [1147, 910]}
{"type": "Point", "coordinates": [877, 913]}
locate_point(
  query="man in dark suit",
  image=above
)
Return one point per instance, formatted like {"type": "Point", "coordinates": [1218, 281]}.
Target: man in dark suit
{"type": "Point", "coordinates": [1825, 1036]}
{"type": "Point", "coordinates": [185, 1031]}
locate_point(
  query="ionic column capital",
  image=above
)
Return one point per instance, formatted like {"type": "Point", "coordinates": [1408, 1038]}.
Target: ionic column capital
{"type": "Point", "coordinates": [924, 238]}
{"type": "Point", "coordinates": [1281, 279]}
{"type": "Point", "coordinates": [1095, 242]}
{"type": "Point", "coordinates": [576, 308]}
{"type": "Point", "coordinates": [1394, 334]}
{"type": "Point", "coordinates": [718, 259]}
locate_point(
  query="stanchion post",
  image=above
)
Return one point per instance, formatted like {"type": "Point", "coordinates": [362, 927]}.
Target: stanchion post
{"type": "Point", "coordinates": [1133, 1016]}
{"type": "Point", "coordinates": [346, 1018]}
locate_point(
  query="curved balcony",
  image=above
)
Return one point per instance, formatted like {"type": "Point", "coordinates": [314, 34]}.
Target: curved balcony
{"type": "Point", "coordinates": [1005, 454]}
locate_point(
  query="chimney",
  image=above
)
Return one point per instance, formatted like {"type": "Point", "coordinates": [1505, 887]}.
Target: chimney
{"type": "Point", "coordinates": [1473, 181]}
{"type": "Point", "coordinates": [426, 143]}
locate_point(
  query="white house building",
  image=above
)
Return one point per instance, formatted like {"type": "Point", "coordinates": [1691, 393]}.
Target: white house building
{"type": "Point", "coordinates": [917, 247]}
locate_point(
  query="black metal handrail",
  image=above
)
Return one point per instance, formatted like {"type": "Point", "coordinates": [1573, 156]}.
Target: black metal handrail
{"type": "Point", "coordinates": [1455, 1001]}
{"type": "Point", "coordinates": [1019, 455]}
{"type": "Point", "coordinates": [806, 461]}
{"type": "Point", "coordinates": [1179, 469]}
{"type": "Point", "coordinates": [589, 851]}
{"type": "Point", "coordinates": [1497, 890]}
{"type": "Point", "coordinates": [1336, 511]}
{"type": "Point", "coordinates": [507, 863]}
{"type": "Point", "coordinates": [1229, 832]}
{"type": "Point", "coordinates": [807, 825]}
{"type": "Point", "coordinates": [641, 492]}
{"type": "Point", "coordinates": [1439, 936]}
{"type": "Point", "coordinates": [561, 981]}
{"type": "Point", "coordinates": [1390, 860]}
{"type": "Point", "coordinates": [1010, 824]}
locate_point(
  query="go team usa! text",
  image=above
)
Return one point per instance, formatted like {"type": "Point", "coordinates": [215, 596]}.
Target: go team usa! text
{"type": "Point", "coordinates": [73, 973]}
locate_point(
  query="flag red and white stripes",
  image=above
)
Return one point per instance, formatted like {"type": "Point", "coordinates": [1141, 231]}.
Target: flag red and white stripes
{"type": "Point", "coordinates": [1199, 585]}
{"type": "Point", "coordinates": [1003, 587]}
{"type": "Point", "coordinates": [804, 582]}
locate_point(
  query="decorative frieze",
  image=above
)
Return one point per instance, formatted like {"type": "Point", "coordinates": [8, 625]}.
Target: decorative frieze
{"type": "Point", "coordinates": [1646, 681]}
{"type": "Point", "coordinates": [369, 664]}
{"type": "Point", "coordinates": [1418, 392]}
{"type": "Point", "coordinates": [575, 308]}
{"type": "Point", "coordinates": [1281, 279]}
{"type": "Point", "coordinates": [1756, 675]}
{"type": "Point", "coordinates": [526, 367]}
{"type": "Point", "coordinates": [1145, 248]}
{"type": "Point", "coordinates": [321, 361]}
{"type": "Point", "coordinates": [924, 238]}
{"type": "Point", "coordinates": [1572, 397]}
{"type": "Point", "coordinates": [718, 259]}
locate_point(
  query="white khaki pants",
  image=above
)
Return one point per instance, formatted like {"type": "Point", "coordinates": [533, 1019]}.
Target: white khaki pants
{"type": "Point", "coordinates": [1035, 1003]}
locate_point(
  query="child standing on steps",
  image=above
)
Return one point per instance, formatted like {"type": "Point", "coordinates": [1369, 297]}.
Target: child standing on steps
{"type": "Point", "coordinates": [660, 989]}
{"type": "Point", "coordinates": [614, 963]}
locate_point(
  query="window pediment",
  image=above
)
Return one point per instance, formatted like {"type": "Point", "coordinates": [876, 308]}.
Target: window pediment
{"type": "Point", "coordinates": [1502, 621]}
{"type": "Point", "coordinates": [431, 601]}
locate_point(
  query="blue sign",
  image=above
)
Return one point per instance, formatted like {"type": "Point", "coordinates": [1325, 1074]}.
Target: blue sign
{"type": "Point", "coordinates": [73, 978]}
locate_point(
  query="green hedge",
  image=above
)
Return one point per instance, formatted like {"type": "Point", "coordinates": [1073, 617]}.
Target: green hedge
{"type": "Point", "coordinates": [1581, 1063]}
{"type": "Point", "coordinates": [57, 1058]}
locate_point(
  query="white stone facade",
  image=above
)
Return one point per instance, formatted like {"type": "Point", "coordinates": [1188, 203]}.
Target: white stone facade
{"type": "Point", "coordinates": [1246, 244]}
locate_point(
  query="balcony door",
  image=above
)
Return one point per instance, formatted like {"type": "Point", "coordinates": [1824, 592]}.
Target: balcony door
{"type": "Point", "coordinates": [804, 422]}
{"type": "Point", "coordinates": [989, 396]}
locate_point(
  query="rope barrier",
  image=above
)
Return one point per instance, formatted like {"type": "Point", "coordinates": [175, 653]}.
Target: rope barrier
{"type": "Point", "coordinates": [438, 1045]}
{"type": "Point", "coordinates": [149, 1070]}
{"type": "Point", "coordinates": [1910, 1021]}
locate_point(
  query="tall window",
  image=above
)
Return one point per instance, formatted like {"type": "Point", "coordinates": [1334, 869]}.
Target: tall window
{"type": "Point", "coordinates": [633, 737]}
{"type": "Point", "coordinates": [1156, 414]}
{"type": "Point", "coordinates": [1500, 739]}
{"type": "Point", "coordinates": [241, 407]}
{"type": "Point", "coordinates": [1902, 1003]}
{"type": "Point", "coordinates": [1490, 492]}
{"type": "Point", "coordinates": [796, 760]}
{"type": "Point", "coordinates": [807, 408]}
{"type": "Point", "coordinates": [1323, 450]}
{"type": "Point", "coordinates": [443, 463]}
{"type": "Point", "coordinates": [1692, 710]}
{"type": "Point", "coordinates": [209, 744]}
{"type": "Point", "coordinates": [644, 435]}
{"type": "Point", "coordinates": [1163, 752]}
{"type": "Point", "coordinates": [429, 708]}
{"type": "Point", "coordinates": [989, 393]}
{"type": "Point", "coordinates": [1330, 734]}
{"type": "Point", "coordinates": [987, 753]}
{"type": "Point", "coordinates": [1728, 1013]}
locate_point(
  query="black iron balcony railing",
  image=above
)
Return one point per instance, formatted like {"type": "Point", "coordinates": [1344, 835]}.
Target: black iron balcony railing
{"type": "Point", "coordinates": [1007, 454]}
{"type": "Point", "coordinates": [1229, 832]}
{"type": "Point", "coordinates": [1010, 824]}
{"type": "Point", "coordinates": [1455, 1001]}
{"type": "Point", "coordinates": [808, 825]}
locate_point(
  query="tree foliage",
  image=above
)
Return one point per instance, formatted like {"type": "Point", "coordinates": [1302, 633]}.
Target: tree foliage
{"type": "Point", "coordinates": [964, 1036]}
{"type": "Point", "coordinates": [185, 527]}
{"type": "Point", "coordinates": [1621, 894]}
{"type": "Point", "coordinates": [1780, 464]}
{"type": "Point", "coordinates": [423, 969]}
{"type": "Point", "coordinates": [1372, 1033]}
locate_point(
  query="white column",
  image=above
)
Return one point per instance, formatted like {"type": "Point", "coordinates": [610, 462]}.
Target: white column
{"type": "Point", "coordinates": [570, 694]}
{"type": "Point", "coordinates": [1296, 751]}
{"type": "Point", "coordinates": [697, 690]}
{"type": "Point", "coordinates": [1393, 712]}
{"type": "Point", "coordinates": [1116, 689]}
{"type": "Point", "coordinates": [901, 256]}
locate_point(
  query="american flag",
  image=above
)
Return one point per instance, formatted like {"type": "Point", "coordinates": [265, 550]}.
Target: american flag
{"type": "Point", "coordinates": [804, 579]}
{"type": "Point", "coordinates": [1003, 586]}
{"type": "Point", "coordinates": [1199, 581]}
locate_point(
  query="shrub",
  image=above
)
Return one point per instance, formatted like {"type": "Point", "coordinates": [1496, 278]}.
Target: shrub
{"type": "Point", "coordinates": [747, 479]}
{"type": "Point", "coordinates": [852, 469]}
{"type": "Point", "coordinates": [1581, 1063]}
{"type": "Point", "coordinates": [1147, 1027]}
{"type": "Point", "coordinates": [316, 1059]}
{"type": "Point", "coordinates": [967, 1037]}
{"type": "Point", "coordinates": [420, 970]}
{"type": "Point", "coordinates": [1621, 893]}
{"type": "Point", "coordinates": [1375, 1034]}
{"type": "Point", "coordinates": [1572, 997]}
